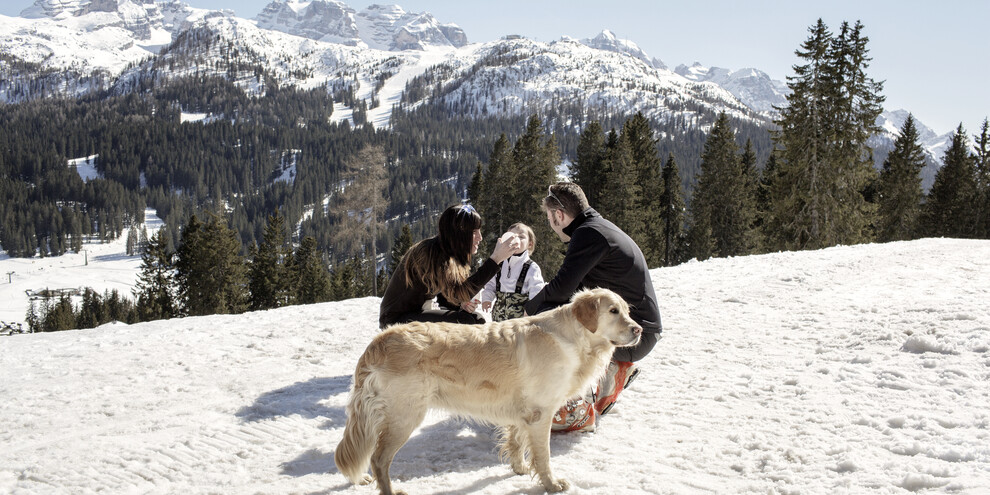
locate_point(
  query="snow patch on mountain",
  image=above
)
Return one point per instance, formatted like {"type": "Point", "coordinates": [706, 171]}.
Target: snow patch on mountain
{"type": "Point", "coordinates": [382, 27]}
{"type": "Point", "coordinates": [86, 167]}
{"type": "Point", "coordinates": [753, 87]}
{"type": "Point", "coordinates": [323, 20]}
{"type": "Point", "coordinates": [389, 27]}
{"type": "Point", "coordinates": [608, 41]}
{"type": "Point", "coordinates": [514, 76]}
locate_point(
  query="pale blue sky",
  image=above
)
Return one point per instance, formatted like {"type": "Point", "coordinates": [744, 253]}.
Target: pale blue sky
{"type": "Point", "coordinates": [932, 55]}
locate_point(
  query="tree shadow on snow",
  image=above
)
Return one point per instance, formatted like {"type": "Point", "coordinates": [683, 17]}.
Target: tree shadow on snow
{"type": "Point", "coordinates": [301, 398]}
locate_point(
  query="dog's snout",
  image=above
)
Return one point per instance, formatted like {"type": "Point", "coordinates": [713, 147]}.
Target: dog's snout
{"type": "Point", "coordinates": [636, 329]}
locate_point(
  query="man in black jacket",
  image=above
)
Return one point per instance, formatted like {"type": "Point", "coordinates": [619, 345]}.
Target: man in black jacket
{"type": "Point", "coordinates": [599, 254]}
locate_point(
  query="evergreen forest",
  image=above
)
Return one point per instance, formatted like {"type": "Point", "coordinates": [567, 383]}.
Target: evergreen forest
{"type": "Point", "coordinates": [270, 202]}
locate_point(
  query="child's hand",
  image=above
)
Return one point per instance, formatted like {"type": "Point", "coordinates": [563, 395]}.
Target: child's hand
{"type": "Point", "coordinates": [487, 305]}
{"type": "Point", "coordinates": [470, 306]}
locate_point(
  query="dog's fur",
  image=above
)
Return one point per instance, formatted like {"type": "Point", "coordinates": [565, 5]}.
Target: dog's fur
{"type": "Point", "coordinates": [515, 374]}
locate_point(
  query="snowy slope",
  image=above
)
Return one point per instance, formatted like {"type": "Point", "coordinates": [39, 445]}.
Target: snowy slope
{"type": "Point", "coordinates": [99, 266]}
{"type": "Point", "coordinates": [513, 76]}
{"type": "Point", "coordinates": [861, 369]}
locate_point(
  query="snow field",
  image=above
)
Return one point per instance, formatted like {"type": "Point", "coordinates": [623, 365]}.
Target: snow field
{"type": "Point", "coordinates": [859, 369]}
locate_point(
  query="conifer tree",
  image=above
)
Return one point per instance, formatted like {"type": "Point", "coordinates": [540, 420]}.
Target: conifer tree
{"type": "Point", "coordinates": [750, 183]}
{"type": "Point", "coordinates": [402, 244]}
{"type": "Point", "coordinates": [982, 142]}
{"type": "Point", "coordinates": [950, 211]}
{"type": "Point", "coordinates": [343, 281]}
{"type": "Point", "coordinates": [672, 214]}
{"type": "Point", "coordinates": [268, 271]}
{"type": "Point", "coordinates": [211, 273]}
{"type": "Point", "coordinates": [769, 231]}
{"type": "Point", "coordinates": [647, 165]}
{"type": "Point", "coordinates": [59, 316]}
{"type": "Point", "coordinates": [900, 193]}
{"type": "Point", "coordinates": [155, 288]}
{"type": "Point", "coordinates": [721, 203]}
{"type": "Point", "coordinates": [312, 280]}
{"type": "Point", "coordinates": [495, 203]}
{"type": "Point", "coordinates": [589, 165]}
{"type": "Point", "coordinates": [825, 164]}
{"type": "Point", "coordinates": [536, 158]}
{"type": "Point", "coordinates": [622, 193]}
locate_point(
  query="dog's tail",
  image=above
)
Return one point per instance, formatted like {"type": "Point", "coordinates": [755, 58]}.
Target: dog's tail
{"type": "Point", "coordinates": [353, 454]}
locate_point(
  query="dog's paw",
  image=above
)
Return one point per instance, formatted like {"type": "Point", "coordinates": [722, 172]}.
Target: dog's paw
{"type": "Point", "coordinates": [557, 485]}
{"type": "Point", "coordinates": [366, 479]}
{"type": "Point", "coordinates": [520, 468]}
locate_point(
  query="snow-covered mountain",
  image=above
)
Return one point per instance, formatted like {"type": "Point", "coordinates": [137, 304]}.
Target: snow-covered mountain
{"type": "Point", "coordinates": [608, 41]}
{"type": "Point", "coordinates": [312, 43]}
{"type": "Point", "coordinates": [382, 27]}
{"type": "Point", "coordinates": [388, 27]}
{"type": "Point", "coordinates": [853, 369]}
{"type": "Point", "coordinates": [518, 75]}
{"type": "Point", "coordinates": [934, 144]}
{"type": "Point", "coordinates": [753, 87]}
{"type": "Point", "coordinates": [376, 51]}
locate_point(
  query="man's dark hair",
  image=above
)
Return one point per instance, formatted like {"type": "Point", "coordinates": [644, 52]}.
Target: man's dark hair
{"type": "Point", "coordinates": [566, 196]}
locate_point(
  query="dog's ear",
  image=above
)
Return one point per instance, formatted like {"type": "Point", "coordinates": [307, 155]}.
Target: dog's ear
{"type": "Point", "coordinates": [586, 311]}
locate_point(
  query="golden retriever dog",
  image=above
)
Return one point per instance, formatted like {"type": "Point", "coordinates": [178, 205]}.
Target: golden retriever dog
{"type": "Point", "coordinates": [514, 374]}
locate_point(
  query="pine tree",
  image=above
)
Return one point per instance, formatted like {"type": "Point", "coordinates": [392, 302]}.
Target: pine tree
{"type": "Point", "coordinates": [155, 288]}
{"type": "Point", "coordinates": [343, 281]}
{"type": "Point", "coordinates": [536, 158]}
{"type": "Point", "coordinates": [211, 272]}
{"type": "Point", "coordinates": [825, 165]}
{"type": "Point", "coordinates": [31, 318]}
{"type": "Point", "coordinates": [495, 202]}
{"type": "Point", "coordinates": [268, 273]}
{"type": "Point", "coordinates": [721, 199]}
{"type": "Point", "coordinates": [769, 231]}
{"type": "Point", "coordinates": [132, 241]}
{"type": "Point", "coordinates": [589, 165]}
{"type": "Point", "coordinates": [672, 214]}
{"type": "Point", "coordinates": [750, 184]}
{"type": "Point", "coordinates": [312, 280]}
{"type": "Point", "coordinates": [402, 244]}
{"type": "Point", "coordinates": [950, 211]}
{"type": "Point", "coordinates": [622, 193]}
{"type": "Point", "coordinates": [900, 193]}
{"type": "Point", "coordinates": [647, 165]}
{"type": "Point", "coordinates": [59, 316]}
{"type": "Point", "coordinates": [982, 142]}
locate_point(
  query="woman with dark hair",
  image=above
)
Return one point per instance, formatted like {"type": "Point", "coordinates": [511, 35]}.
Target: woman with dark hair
{"type": "Point", "coordinates": [441, 267]}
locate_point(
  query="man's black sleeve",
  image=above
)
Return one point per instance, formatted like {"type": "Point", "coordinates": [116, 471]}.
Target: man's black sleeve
{"type": "Point", "coordinates": [585, 250]}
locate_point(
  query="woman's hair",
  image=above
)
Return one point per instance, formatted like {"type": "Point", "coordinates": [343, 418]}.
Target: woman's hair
{"type": "Point", "coordinates": [455, 229]}
{"type": "Point", "coordinates": [528, 232]}
{"type": "Point", "coordinates": [443, 262]}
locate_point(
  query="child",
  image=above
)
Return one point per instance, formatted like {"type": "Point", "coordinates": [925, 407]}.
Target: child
{"type": "Point", "coordinates": [517, 281]}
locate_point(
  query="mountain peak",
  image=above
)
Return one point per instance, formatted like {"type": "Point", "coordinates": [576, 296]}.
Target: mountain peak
{"type": "Point", "coordinates": [379, 26]}
{"type": "Point", "coordinates": [608, 41]}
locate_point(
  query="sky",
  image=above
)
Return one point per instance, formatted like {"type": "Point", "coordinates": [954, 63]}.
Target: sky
{"type": "Point", "coordinates": [929, 54]}
{"type": "Point", "coordinates": [853, 369]}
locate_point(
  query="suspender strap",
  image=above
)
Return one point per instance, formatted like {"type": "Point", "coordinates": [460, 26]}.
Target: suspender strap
{"type": "Point", "coordinates": [519, 282]}
{"type": "Point", "coordinates": [522, 276]}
